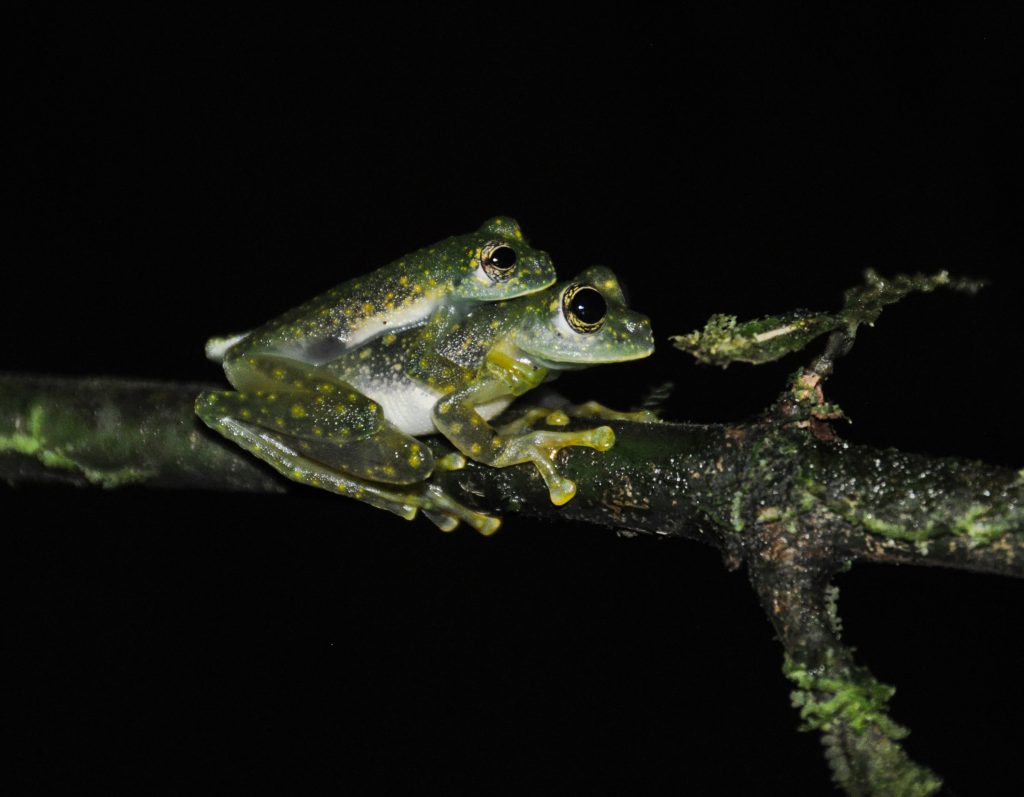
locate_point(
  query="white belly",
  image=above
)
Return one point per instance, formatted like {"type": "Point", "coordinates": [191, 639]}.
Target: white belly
{"type": "Point", "coordinates": [409, 405]}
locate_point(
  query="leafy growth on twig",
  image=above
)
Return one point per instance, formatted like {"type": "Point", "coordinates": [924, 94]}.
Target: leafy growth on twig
{"type": "Point", "coordinates": [725, 340]}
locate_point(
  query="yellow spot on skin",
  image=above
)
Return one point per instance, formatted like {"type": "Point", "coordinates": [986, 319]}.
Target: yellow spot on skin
{"type": "Point", "coordinates": [352, 396]}
{"type": "Point", "coordinates": [279, 422]}
{"type": "Point", "coordinates": [475, 448]}
{"type": "Point", "coordinates": [389, 339]}
{"type": "Point", "coordinates": [340, 408]}
{"type": "Point", "coordinates": [298, 411]}
{"type": "Point", "coordinates": [367, 308]}
{"type": "Point", "coordinates": [403, 281]}
{"type": "Point", "coordinates": [318, 431]}
{"type": "Point", "coordinates": [389, 470]}
{"type": "Point", "coordinates": [417, 289]}
{"type": "Point", "coordinates": [456, 427]}
{"type": "Point", "coordinates": [278, 373]}
{"type": "Point", "coordinates": [326, 387]}
{"type": "Point", "coordinates": [246, 413]}
{"type": "Point", "coordinates": [297, 473]}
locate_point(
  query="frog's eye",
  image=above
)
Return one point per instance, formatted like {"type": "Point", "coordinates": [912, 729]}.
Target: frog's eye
{"type": "Point", "coordinates": [498, 260]}
{"type": "Point", "coordinates": [584, 308]}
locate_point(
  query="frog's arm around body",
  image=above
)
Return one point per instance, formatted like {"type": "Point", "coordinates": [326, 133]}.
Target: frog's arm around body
{"type": "Point", "coordinates": [510, 373]}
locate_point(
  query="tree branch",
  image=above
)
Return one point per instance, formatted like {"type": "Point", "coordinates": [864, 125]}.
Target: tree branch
{"type": "Point", "coordinates": [782, 496]}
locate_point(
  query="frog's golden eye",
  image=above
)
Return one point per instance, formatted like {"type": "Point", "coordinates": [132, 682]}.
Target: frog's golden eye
{"type": "Point", "coordinates": [498, 260]}
{"type": "Point", "coordinates": [584, 308]}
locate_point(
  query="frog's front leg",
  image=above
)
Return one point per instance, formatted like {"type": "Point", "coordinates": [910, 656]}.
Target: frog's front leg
{"type": "Point", "coordinates": [563, 414]}
{"type": "Point", "coordinates": [456, 417]}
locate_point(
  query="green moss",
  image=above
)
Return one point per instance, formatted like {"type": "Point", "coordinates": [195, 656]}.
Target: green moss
{"type": "Point", "coordinates": [34, 442]}
{"type": "Point", "coordinates": [860, 738]}
{"type": "Point", "coordinates": [974, 521]}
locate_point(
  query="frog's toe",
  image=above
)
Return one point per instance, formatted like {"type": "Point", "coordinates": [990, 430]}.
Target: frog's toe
{"type": "Point", "coordinates": [557, 418]}
{"type": "Point", "coordinates": [439, 506]}
{"type": "Point", "coordinates": [442, 520]}
{"type": "Point", "coordinates": [561, 491]}
{"type": "Point", "coordinates": [487, 525]}
{"type": "Point", "coordinates": [453, 461]}
{"type": "Point", "coordinates": [602, 438]}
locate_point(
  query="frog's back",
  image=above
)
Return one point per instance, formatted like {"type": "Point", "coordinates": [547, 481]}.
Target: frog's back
{"type": "Point", "coordinates": [350, 314]}
{"type": "Point", "coordinates": [490, 264]}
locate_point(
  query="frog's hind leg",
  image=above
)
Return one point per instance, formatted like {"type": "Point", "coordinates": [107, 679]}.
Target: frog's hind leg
{"type": "Point", "coordinates": [281, 453]}
{"type": "Point", "coordinates": [389, 456]}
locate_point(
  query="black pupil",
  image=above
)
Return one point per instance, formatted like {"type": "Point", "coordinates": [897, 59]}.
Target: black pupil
{"type": "Point", "coordinates": [503, 257]}
{"type": "Point", "coordinates": [588, 306]}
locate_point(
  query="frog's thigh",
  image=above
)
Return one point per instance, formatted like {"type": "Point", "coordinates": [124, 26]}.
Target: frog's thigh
{"type": "Point", "coordinates": [270, 372]}
{"type": "Point", "coordinates": [280, 453]}
{"type": "Point", "coordinates": [341, 416]}
{"type": "Point", "coordinates": [389, 455]}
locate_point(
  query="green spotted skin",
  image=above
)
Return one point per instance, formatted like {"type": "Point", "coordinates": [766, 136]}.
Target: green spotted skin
{"type": "Point", "coordinates": [449, 276]}
{"type": "Point", "coordinates": [350, 424]}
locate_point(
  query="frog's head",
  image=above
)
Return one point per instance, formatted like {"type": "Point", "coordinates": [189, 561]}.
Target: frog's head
{"type": "Point", "coordinates": [583, 322]}
{"type": "Point", "coordinates": [501, 264]}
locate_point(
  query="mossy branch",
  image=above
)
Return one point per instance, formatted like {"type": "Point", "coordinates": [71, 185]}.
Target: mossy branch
{"type": "Point", "coordinates": [782, 496]}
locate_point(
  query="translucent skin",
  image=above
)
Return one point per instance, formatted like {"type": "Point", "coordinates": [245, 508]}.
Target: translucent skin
{"type": "Point", "coordinates": [348, 424]}
{"type": "Point", "coordinates": [447, 275]}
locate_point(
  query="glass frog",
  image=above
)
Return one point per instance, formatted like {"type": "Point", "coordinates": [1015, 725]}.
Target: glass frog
{"type": "Point", "coordinates": [350, 425]}
{"type": "Point", "coordinates": [444, 279]}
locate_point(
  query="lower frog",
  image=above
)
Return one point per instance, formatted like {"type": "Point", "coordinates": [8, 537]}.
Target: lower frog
{"type": "Point", "coordinates": [352, 425]}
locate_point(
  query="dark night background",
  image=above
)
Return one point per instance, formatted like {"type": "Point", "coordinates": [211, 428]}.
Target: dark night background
{"type": "Point", "coordinates": [173, 177]}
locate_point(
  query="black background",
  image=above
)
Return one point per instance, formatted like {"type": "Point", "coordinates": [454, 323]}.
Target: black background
{"type": "Point", "coordinates": [174, 176]}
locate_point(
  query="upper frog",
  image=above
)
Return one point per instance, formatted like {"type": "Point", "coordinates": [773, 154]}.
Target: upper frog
{"type": "Point", "coordinates": [446, 278]}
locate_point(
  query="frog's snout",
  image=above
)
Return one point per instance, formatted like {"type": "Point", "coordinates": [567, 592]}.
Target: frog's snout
{"type": "Point", "coordinates": [639, 330]}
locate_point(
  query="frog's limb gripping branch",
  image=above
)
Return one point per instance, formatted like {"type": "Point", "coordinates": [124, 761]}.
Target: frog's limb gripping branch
{"type": "Point", "coordinates": [781, 496]}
